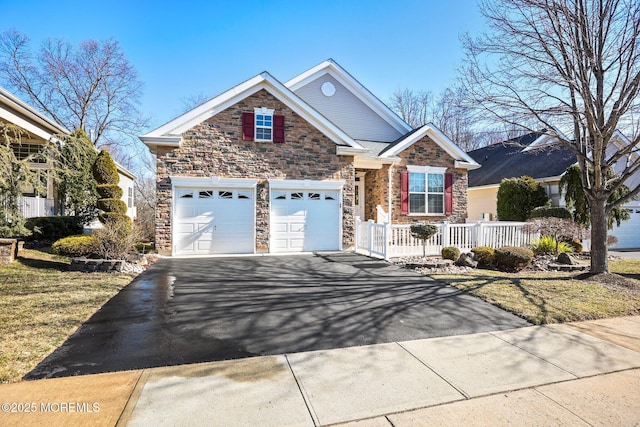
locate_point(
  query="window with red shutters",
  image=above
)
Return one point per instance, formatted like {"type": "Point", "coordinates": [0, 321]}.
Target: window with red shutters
{"type": "Point", "coordinates": [404, 192]}
{"type": "Point", "coordinates": [248, 123]}
{"type": "Point", "coordinates": [278, 128]}
{"type": "Point", "coordinates": [448, 193]}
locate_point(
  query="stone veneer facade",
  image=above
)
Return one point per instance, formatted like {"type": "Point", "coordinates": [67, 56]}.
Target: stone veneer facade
{"type": "Point", "coordinates": [216, 148]}
{"type": "Point", "coordinates": [424, 152]}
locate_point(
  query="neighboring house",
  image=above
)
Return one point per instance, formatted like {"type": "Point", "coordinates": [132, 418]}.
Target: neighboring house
{"type": "Point", "coordinates": [534, 155]}
{"type": "Point", "coordinates": [38, 130]}
{"type": "Point", "coordinates": [525, 155]}
{"type": "Point", "coordinates": [273, 167]}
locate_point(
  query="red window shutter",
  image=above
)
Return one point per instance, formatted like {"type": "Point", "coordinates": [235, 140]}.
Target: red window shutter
{"type": "Point", "coordinates": [248, 122]}
{"type": "Point", "coordinates": [278, 128]}
{"type": "Point", "coordinates": [448, 193]}
{"type": "Point", "coordinates": [404, 192]}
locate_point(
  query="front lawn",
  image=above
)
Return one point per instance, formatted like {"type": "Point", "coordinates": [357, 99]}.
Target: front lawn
{"type": "Point", "coordinates": [552, 297]}
{"type": "Point", "coordinates": [41, 304]}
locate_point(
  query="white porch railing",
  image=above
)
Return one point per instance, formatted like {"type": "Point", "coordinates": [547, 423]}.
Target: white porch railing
{"type": "Point", "coordinates": [36, 206]}
{"type": "Point", "coordinates": [394, 240]}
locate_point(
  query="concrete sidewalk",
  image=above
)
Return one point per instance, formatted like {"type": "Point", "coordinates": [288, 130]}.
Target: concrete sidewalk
{"type": "Point", "coordinates": [583, 373]}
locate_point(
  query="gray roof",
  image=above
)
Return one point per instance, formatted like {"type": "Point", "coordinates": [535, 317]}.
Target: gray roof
{"type": "Point", "coordinates": [508, 160]}
{"type": "Point", "coordinates": [374, 148]}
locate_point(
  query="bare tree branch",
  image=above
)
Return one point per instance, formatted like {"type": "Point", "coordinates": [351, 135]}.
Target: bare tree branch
{"type": "Point", "coordinates": [571, 67]}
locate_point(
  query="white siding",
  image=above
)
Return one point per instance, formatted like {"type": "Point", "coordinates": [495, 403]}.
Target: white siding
{"type": "Point", "coordinates": [126, 184]}
{"type": "Point", "coordinates": [347, 112]}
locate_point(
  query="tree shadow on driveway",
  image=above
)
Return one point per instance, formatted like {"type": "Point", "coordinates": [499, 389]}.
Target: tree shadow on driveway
{"type": "Point", "coordinates": [206, 309]}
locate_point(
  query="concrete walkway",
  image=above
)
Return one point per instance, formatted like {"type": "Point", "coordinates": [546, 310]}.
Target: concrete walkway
{"type": "Point", "coordinates": [585, 373]}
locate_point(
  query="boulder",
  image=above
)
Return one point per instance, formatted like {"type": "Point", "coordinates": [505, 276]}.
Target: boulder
{"type": "Point", "coordinates": [566, 259]}
{"type": "Point", "coordinates": [467, 260]}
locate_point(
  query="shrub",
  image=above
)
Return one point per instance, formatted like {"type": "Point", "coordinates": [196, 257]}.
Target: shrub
{"type": "Point", "coordinates": [75, 246]}
{"type": "Point", "coordinates": [517, 197]}
{"type": "Point", "coordinates": [115, 240]}
{"type": "Point", "coordinates": [104, 169]}
{"type": "Point", "coordinates": [484, 255]}
{"type": "Point", "coordinates": [549, 212]}
{"type": "Point", "coordinates": [512, 258]}
{"type": "Point", "coordinates": [423, 232]}
{"type": "Point", "coordinates": [145, 247]}
{"type": "Point", "coordinates": [451, 252]}
{"type": "Point", "coordinates": [105, 217]}
{"type": "Point", "coordinates": [560, 230]}
{"type": "Point", "coordinates": [547, 245]}
{"type": "Point", "coordinates": [109, 191]}
{"type": "Point", "coordinates": [112, 206]}
{"type": "Point", "coordinates": [52, 228]}
{"type": "Point", "coordinates": [575, 245]}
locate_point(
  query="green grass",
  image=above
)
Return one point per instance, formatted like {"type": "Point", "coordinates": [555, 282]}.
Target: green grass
{"type": "Point", "coordinates": [550, 297]}
{"type": "Point", "coordinates": [41, 304]}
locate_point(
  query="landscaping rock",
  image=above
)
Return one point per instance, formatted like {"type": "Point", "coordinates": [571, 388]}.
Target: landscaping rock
{"type": "Point", "coordinates": [91, 265]}
{"type": "Point", "coordinates": [566, 259]}
{"type": "Point", "coordinates": [467, 260]}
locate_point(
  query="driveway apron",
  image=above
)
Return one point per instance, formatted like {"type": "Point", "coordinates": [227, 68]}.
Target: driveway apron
{"type": "Point", "coordinates": [208, 309]}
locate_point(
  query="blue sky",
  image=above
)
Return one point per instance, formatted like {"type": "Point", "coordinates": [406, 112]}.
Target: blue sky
{"type": "Point", "coordinates": [185, 48]}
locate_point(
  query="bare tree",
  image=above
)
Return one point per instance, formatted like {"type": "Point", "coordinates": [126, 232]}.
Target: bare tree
{"type": "Point", "coordinates": [192, 101]}
{"type": "Point", "coordinates": [453, 117]}
{"type": "Point", "coordinates": [92, 86]}
{"type": "Point", "coordinates": [571, 67]}
{"type": "Point", "coordinates": [413, 107]}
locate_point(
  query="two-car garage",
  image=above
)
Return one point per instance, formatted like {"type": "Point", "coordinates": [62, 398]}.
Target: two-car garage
{"type": "Point", "coordinates": [219, 216]}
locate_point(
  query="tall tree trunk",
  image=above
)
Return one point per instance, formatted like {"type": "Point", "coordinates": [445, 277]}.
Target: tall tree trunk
{"type": "Point", "coordinates": [599, 255]}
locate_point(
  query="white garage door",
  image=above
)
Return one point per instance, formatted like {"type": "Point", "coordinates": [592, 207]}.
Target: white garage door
{"type": "Point", "coordinates": [213, 220]}
{"type": "Point", "coordinates": [628, 233]}
{"type": "Point", "coordinates": [305, 220]}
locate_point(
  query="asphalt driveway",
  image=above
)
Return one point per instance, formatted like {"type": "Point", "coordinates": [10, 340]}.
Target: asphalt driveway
{"type": "Point", "coordinates": [206, 309]}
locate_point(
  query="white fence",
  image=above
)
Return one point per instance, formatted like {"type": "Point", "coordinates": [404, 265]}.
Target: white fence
{"type": "Point", "coordinates": [394, 240]}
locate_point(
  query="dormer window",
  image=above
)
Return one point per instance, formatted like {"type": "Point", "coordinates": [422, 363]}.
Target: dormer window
{"type": "Point", "coordinates": [263, 124]}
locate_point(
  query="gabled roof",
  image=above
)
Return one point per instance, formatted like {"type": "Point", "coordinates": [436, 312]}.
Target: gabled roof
{"type": "Point", "coordinates": [512, 159]}
{"type": "Point", "coordinates": [332, 68]}
{"type": "Point", "coordinates": [463, 160]}
{"type": "Point", "coordinates": [18, 112]}
{"type": "Point", "coordinates": [171, 133]}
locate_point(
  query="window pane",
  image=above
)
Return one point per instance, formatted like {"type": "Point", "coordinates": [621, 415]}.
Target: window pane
{"type": "Point", "coordinates": [436, 203]}
{"type": "Point", "coordinates": [416, 203]}
{"type": "Point", "coordinates": [267, 121]}
{"type": "Point", "coordinates": [259, 120]}
{"type": "Point", "coordinates": [436, 183]}
{"type": "Point", "coordinates": [416, 182]}
{"type": "Point", "coordinates": [266, 134]}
